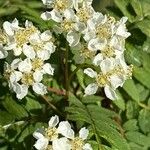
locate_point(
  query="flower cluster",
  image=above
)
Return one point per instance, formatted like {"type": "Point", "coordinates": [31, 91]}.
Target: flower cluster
{"type": "Point", "coordinates": [95, 38]}
{"type": "Point", "coordinates": [29, 49]}
{"type": "Point", "coordinates": [60, 136]}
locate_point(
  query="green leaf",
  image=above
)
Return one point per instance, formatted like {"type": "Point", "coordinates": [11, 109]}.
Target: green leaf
{"type": "Point", "coordinates": [5, 118]}
{"type": "Point", "coordinates": [131, 109]}
{"type": "Point", "coordinates": [135, 146]}
{"type": "Point", "coordinates": [136, 4]}
{"type": "Point", "coordinates": [28, 130]}
{"type": "Point", "coordinates": [143, 92]}
{"type": "Point", "coordinates": [130, 87]}
{"type": "Point", "coordinates": [145, 7]}
{"type": "Point", "coordinates": [120, 102]}
{"type": "Point", "coordinates": [15, 109]}
{"type": "Point", "coordinates": [138, 138]}
{"type": "Point", "coordinates": [142, 76]}
{"type": "Point", "coordinates": [131, 125]}
{"type": "Point", "coordinates": [144, 26]}
{"type": "Point", "coordinates": [144, 120]}
{"type": "Point", "coordinates": [133, 55]}
{"type": "Point", "coordinates": [32, 104]}
{"type": "Point", "coordinates": [100, 120]}
{"type": "Point", "coordinates": [92, 99]}
{"type": "Point", "coordinates": [123, 6]}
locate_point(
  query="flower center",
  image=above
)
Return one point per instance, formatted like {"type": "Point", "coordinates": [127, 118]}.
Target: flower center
{"type": "Point", "coordinates": [102, 80]}
{"type": "Point", "coordinates": [86, 53]}
{"type": "Point", "coordinates": [108, 52]}
{"type": "Point", "coordinates": [37, 63]}
{"type": "Point", "coordinates": [23, 35]}
{"type": "Point", "coordinates": [83, 14]}
{"type": "Point", "coordinates": [61, 5]}
{"type": "Point", "coordinates": [27, 79]}
{"type": "Point", "coordinates": [51, 133]}
{"type": "Point", "coordinates": [67, 25]}
{"type": "Point", "coordinates": [103, 31]}
{"type": "Point", "coordinates": [49, 147]}
{"type": "Point", "coordinates": [129, 71]}
{"type": "Point", "coordinates": [3, 38]}
{"type": "Point", "coordinates": [77, 144]}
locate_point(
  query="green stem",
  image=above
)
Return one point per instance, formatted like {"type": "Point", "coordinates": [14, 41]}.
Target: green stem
{"type": "Point", "coordinates": [144, 106]}
{"type": "Point", "coordinates": [66, 70]}
{"type": "Point", "coordinates": [52, 106]}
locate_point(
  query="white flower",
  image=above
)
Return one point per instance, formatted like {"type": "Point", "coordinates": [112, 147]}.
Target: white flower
{"type": "Point", "coordinates": [120, 28]}
{"type": "Point", "coordinates": [75, 142]}
{"type": "Point", "coordinates": [112, 75]}
{"type": "Point", "coordinates": [49, 137]}
{"type": "Point", "coordinates": [10, 28]}
{"type": "Point", "coordinates": [18, 37]}
{"type": "Point", "coordinates": [50, 134]}
{"type": "Point", "coordinates": [25, 73]}
{"type": "Point", "coordinates": [58, 8]}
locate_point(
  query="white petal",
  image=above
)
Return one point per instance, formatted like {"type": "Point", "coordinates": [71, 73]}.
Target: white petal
{"type": "Point", "coordinates": [107, 65]}
{"type": "Point", "coordinates": [69, 14]}
{"type": "Point", "coordinates": [121, 30]}
{"type": "Point", "coordinates": [39, 88]}
{"type": "Point", "coordinates": [56, 16]}
{"type": "Point", "coordinates": [25, 66]}
{"type": "Point", "coordinates": [37, 135]}
{"type": "Point", "coordinates": [35, 38]}
{"type": "Point", "coordinates": [116, 81]}
{"type": "Point", "coordinates": [95, 20]}
{"type": "Point", "coordinates": [3, 53]}
{"type": "Point", "coordinates": [17, 51]}
{"type": "Point", "coordinates": [8, 28]}
{"type": "Point", "coordinates": [73, 38]}
{"type": "Point", "coordinates": [48, 69]}
{"type": "Point", "coordinates": [89, 35]}
{"type": "Point", "coordinates": [43, 54]}
{"type": "Point", "coordinates": [80, 27]}
{"type": "Point", "coordinates": [38, 76]}
{"type": "Point", "coordinates": [61, 144]}
{"type": "Point", "coordinates": [15, 76]}
{"type": "Point", "coordinates": [20, 90]}
{"type": "Point", "coordinates": [15, 24]}
{"type": "Point", "coordinates": [110, 93]}
{"type": "Point", "coordinates": [96, 44]}
{"type": "Point", "coordinates": [90, 72]}
{"type": "Point", "coordinates": [28, 24]}
{"type": "Point", "coordinates": [87, 146]}
{"type": "Point", "coordinates": [50, 47]}
{"type": "Point", "coordinates": [15, 63]}
{"type": "Point", "coordinates": [98, 59]}
{"type": "Point", "coordinates": [91, 89]}
{"type": "Point", "coordinates": [29, 51]}
{"type": "Point", "coordinates": [41, 144]}
{"type": "Point", "coordinates": [53, 121]}
{"type": "Point", "coordinates": [48, 2]}
{"type": "Point", "coordinates": [46, 15]}
{"type": "Point", "coordinates": [64, 128]}
{"type": "Point", "coordinates": [10, 46]}
{"type": "Point", "coordinates": [46, 36]}
{"type": "Point", "coordinates": [83, 133]}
